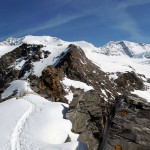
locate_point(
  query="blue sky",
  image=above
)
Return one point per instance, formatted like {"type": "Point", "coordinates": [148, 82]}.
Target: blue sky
{"type": "Point", "coordinates": [95, 21]}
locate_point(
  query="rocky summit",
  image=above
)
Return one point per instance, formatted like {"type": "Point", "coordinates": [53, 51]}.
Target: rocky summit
{"type": "Point", "coordinates": [56, 94]}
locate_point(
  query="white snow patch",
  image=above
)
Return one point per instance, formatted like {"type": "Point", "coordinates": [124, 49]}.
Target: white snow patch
{"type": "Point", "coordinates": [82, 62]}
{"type": "Point", "coordinates": [103, 91]}
{"type": "Point", "coordinates": [113, 76]}
{"type": "Point", "coordinates": [19, 65]}
{"type": "Point", "coordinates": [69, 95]}
{"type": "Point", "coordinates": [144, 94]}
{"type": "Point", "coordinates": [18, 86]}
{"type": "Point", "coordinates": [77, 84]}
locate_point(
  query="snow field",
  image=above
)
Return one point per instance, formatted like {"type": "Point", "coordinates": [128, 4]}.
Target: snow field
{"type": "Point", "coordinates": [32, 122]}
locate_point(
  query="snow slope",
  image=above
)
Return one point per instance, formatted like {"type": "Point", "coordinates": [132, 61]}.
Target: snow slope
{"type": "Point", "coordinates": [33, 122]}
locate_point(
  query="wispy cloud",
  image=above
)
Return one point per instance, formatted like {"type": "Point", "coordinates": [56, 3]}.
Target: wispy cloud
{"type": "Point", "coordinates": [107, 11]}
{"type": "Point", "coordinates": [128, 23]}
{"type": "Point", "coordinates": [55, 22]}
{"type": "Point", "coordinates": [117, 13]}
{"type": "Point", "coordinates": [128, 3]}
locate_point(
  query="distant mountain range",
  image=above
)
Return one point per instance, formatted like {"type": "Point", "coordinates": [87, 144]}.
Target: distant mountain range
{"type": "Point", "coordinates": [117, 48]}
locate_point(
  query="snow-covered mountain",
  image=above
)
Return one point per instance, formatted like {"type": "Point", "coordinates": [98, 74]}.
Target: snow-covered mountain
{"type": "Point", "coordinates": [130, 49]}
{"type": "Point", "coordinates": [47, 82]}
{"type": "Point", "coordinates": [12, 41]}
{"type": "Point", "coordinates": [117, 48]}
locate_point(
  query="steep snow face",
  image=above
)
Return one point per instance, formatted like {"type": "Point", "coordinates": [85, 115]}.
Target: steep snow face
{"type": "Point", "coordinates": [33, 122]}
{"type": "Point", "coordinates": [127, 48]}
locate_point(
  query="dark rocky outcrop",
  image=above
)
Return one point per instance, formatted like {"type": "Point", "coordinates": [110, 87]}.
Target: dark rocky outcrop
{"type": "Point", "coordinates": [89, 110]}
{"type": "Point", "coordinates": [8, 72]}
{"type": "Point", "coordinates": [129, 81]}
{"type": "Point", "coordinates": [128, 125]}
{"type": "Point", "coordinates": [27, 53]}
{"type": "Point", "coordinates": [50, 83]}
{"type": "Point", "coordinates": [78, 67]}
{"type": "Point", "coordinates": [88, 113]}
{"type": "Point", "coordinates": [75, 65]}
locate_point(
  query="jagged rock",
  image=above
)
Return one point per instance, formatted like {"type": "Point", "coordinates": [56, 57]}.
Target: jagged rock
{"type": "Point", "coordinates": [129, 127]}
{"type": "Point", "coordinates": [88, 114]}
{"type": "Point", "coordinates": [46, 54]}
{"type": "Point", "coordinates": [50, 82]}
{"type": "Point", "coordinates": [78, 67]}
{"type": "Point", "coordinates": [148, 80]}
{"type": "Point", "coordinates": [7, 71]}
{"type": "Point", "coordinates": [128, 82]}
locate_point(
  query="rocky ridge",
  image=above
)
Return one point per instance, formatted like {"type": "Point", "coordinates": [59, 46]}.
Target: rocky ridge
{"type": "Point", "coordinates": [101, 117]}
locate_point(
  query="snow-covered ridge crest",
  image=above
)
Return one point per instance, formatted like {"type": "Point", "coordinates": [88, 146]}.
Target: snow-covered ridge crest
{"type": "Point", "coordinates": [44, 40]}
{"type": "Point", "coordinates": [29, 39]}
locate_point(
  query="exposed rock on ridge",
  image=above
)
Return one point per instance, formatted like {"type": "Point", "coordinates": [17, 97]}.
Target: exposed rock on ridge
{"type": "Point", "coordinates": [78, 67]}
{"type": "Point", "coordinates": [129, 124]}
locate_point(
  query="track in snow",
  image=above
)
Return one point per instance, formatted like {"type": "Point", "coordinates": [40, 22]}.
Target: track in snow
{"type": "Point", "coordinates": [15, 139]}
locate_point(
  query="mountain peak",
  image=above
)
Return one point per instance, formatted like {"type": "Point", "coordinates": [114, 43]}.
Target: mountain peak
{"type": "Point", "coordinates": [30, 39]}
{"type": "Point", "coordinates": [41, 39]}
{"type": "Point", "coordinates": [11, 41]}
{"type": "Point", "coordinates": [120, 48]}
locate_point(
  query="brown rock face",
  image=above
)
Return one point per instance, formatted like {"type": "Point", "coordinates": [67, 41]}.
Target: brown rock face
{"type": "Point", "coordinates": [50, 83]}
{"type": "Point", "coordinates": [129, 81]}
